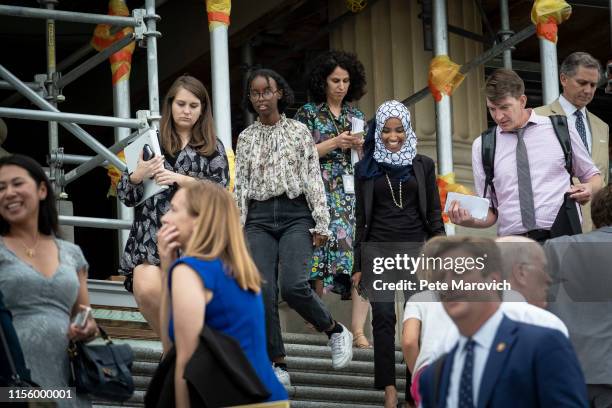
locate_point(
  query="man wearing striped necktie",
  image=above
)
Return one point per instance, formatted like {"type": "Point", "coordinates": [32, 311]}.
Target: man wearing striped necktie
{"type": "Point", "coordinates": [579, 74]}
{"type": "Point", "coordinates": [530, 180]}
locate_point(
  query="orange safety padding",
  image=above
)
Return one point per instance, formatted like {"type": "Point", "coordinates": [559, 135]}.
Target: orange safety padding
{"type": "Point", "coordinates": [444, 76]}
{"type": "Point", "coordinates": [446, 183]}
{"type": "Point", "coordinates": [547, 15]}
{"type": "Point", "coordinates": [219, 17]}
{"type": "Point", "coordinates": [121, 61]}
{"type": "Point", "coordinates": [218, 13]}
{"type": "Point", "coordinates": [115, 175]}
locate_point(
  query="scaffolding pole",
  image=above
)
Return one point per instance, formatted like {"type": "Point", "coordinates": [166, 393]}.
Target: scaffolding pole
{"type": "Point", "coordinates": [71, 118]}
{"type": "Point", "coordinates": [444, 130]}
{"type": "Point", "coordinates": [95, 60]}
{"type": "Point", "coordinates": [5, 86]}
{"type": "Point", "coordinates": [247, 61]}
{"type": "Point", "coordinates": [121, 106]}
{"type": "Point", "coordinates": [505, 31]}
{"type": "Point", "coordinates": [486, 56]}
{"type": "Point", "coordinates": [96, 161]}
{"type": "Point", "coordinates": [51, 73]}
{"type": "Point", "coordinates": [72, 128]}
{"type": "Point", "coordinates": [221, 84]}
{"type": "Point", "coordinates": [152, 34]}
{"type": "Point", "coordinates": [550, 71]}
{"type": "Point", "coordinates": [30, 12]}
{"type": "Point", "coordinates": [107, 223]}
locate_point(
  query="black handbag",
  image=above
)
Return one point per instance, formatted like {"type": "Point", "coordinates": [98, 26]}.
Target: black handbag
{"type": "Point", "coordinates": [567, 221]}
{"type": "Point", "coordinates": [103, 371]}
{"type": "Point", "coordinates": [218, 375]}
{"type": "Point", "coordinates": [13, 370]}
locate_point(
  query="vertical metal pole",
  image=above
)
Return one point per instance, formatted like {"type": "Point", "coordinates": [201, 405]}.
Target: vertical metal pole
{"type": "Point", "coordinates": [51, 70]}
{"type": "Point", "coordinates": [550, 75]}
{"type": "Point", "coordinates": [221, 84]}
{"type": "Point", "coordinates": [247, 61]}
{"type": "Point", "coordinates": [505, 28]}
{"type": "Point", "coordinates": [444, 131]}
{"type": "Point", "coordinates": [151, 20]}
{"type": "Point", "coordinates": [121, 102]}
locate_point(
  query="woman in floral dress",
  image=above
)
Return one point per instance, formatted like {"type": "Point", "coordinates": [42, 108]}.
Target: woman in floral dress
{"type": "Point", "coordinates": [337, 78]}
{"type": "Point", "coordinates": [191, 151]}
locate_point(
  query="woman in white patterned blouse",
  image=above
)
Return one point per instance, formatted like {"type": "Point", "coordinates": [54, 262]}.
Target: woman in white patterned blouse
{"type": "Point", "coordinates": [283, 208]}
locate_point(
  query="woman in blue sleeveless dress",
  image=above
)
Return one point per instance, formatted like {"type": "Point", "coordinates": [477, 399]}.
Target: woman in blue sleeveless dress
{"type": "Point", "coordinates": [215, 283]}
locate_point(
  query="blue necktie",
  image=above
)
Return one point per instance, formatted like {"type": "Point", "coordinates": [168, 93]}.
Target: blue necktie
{"type": "Point", "coordinates": [466, 393]}
{"type": "Point", "coordinates": [581, 129]}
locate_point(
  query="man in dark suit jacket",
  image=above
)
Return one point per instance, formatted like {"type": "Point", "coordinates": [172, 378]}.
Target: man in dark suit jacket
{"type": "Point", "coordinates": [582, 296]}
{"type": "Point", "coordinates": [497, 362]}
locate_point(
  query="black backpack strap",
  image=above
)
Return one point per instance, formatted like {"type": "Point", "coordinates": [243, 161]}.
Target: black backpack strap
{"type": "Point", "coordinates": [488, 158]}
{"type": "Point", "coordinates": [559, 123]}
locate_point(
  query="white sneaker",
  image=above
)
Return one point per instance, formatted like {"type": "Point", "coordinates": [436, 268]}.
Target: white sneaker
{"type": "Point", "coordinates": [282, 376]}
{"type": "Point", "coordinates": [341, 348]}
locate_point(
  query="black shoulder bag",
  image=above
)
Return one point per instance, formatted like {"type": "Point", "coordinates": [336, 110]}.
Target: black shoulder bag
{"type": "Point", "coordinates": [218, 374]}
{"type": "Point", "coordinates": [102, 370]}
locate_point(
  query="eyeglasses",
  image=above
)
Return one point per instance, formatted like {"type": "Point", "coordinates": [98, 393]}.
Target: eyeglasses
{"type": "Point", "coordinates": [267, 94]}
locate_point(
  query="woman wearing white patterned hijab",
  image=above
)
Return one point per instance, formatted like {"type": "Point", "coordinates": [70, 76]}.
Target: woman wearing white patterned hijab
{"type": "Point", "coordinates": [397, 201]}
{"type": "Point", "coordinates": [394, 109]}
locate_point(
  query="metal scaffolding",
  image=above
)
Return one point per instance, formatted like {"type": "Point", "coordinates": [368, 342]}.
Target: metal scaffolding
{"type": "Point", "coordinates": [46, 92]}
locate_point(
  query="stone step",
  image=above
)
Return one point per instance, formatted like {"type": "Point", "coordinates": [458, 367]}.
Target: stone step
{"type": "Point", "coordinates": [295, 364]}
{"type": "Point", "coordinates": [327, 404]}
{"type": "Point", "coordinates": [324, 365]}
{"type": "Point", "coordinates": [319, 395]}
{"type": "Point", "coordinates": [325, 378]}
{"type": "Point", "coordinates": [145, 352]}
{"type": "Point", "coordinates": [311, 339]}
{"type": "Point", "coordinates": [341, 395]}
{"type": "Point", "coordinates": [301, 378]}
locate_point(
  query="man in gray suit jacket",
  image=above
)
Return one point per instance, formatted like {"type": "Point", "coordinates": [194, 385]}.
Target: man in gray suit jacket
{"type": "Point", "coordinates": [582, 296]}
{"type": "Point", "coordinates": [579, 74]}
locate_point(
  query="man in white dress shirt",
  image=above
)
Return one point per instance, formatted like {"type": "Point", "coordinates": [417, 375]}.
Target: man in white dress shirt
{"type": "Point", "coordinates": [497, 362]}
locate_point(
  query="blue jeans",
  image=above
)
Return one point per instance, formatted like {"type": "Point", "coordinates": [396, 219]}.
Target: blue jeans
{"type": "Point", "coordinates": [280, 242]}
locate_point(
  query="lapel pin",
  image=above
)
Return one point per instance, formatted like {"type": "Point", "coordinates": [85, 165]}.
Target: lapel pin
{"type": "Point", "coordinates": [501, 347]}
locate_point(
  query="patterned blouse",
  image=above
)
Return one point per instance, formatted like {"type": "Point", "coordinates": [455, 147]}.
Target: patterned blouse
{"type": "Point", "coordinates": [141, 245]}
{"type": "Point", "coordinates": [280, 159]}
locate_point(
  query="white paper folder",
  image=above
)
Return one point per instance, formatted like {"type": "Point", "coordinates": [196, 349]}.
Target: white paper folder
{"type": "Point", "coordinates": [477, 206]}
{"type": "Point", "coordinates": [132, 155]}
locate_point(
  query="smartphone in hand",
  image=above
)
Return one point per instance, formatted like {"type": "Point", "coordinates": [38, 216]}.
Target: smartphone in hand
{"type": "Point", "coordinates": [80, 320]}
{"type": "Point", "coordinates": [147, 153]}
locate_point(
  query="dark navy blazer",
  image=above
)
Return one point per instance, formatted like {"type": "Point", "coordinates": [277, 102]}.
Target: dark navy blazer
{"type": "Point", "coordinates": [528, 366]}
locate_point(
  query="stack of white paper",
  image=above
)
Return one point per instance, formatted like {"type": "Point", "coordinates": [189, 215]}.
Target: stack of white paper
{"type": "Point", "coordinates": [478, 207]}
{"type": "Point", "coordinates": [357, 126]}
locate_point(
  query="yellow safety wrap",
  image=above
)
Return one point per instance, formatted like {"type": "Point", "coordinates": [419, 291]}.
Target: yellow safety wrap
{"type": "Point", "coordinates": [218, 13]}
{"type": "Point", "coordinates": [547, 15]}
{"type": "Point", "coordinates": [231, 161]}
{"type": "Point", "coordinates": [356, 5]}
{"type": "Point", "coordinates": [121, 61]}
{"type": "Point", "coordinates": [446, 184]}
{"type": "Point", "coordinates": [115, 175]}
{"type": "Point", "coordinates": [444, 77]}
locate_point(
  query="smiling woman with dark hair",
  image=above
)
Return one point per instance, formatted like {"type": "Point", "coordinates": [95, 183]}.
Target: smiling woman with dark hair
{"type": "Point", "coordinates": [282, 204]}
{"type": "Point", "coordinates": [397, 200]}
{"type": "Point", "coordinates": [43, 278]}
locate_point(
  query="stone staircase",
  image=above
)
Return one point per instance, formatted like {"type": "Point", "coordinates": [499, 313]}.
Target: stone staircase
{"type": "Point", "coordinates": [314, 382]}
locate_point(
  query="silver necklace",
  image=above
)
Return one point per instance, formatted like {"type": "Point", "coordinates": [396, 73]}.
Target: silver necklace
{"type": "Point", "coordinates": [401, 204]}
